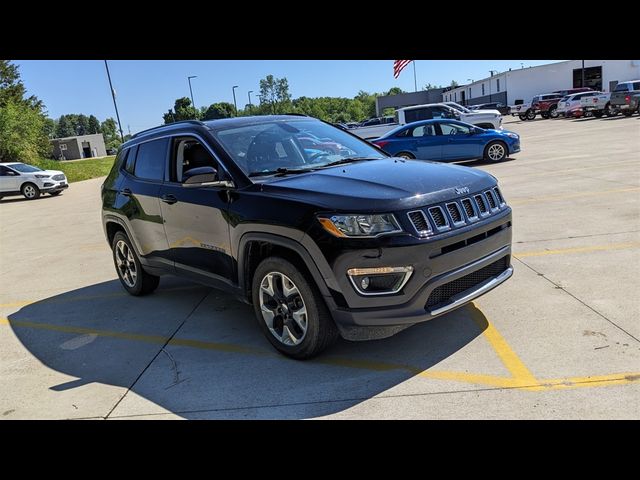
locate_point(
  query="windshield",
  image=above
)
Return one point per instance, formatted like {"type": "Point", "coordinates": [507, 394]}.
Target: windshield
{"type": "Point", "coordinates": [460, 108]}
{"type": "Point", "coordinates": [24, 168]}
{"type": "Point", "coordinates": [294, 146]}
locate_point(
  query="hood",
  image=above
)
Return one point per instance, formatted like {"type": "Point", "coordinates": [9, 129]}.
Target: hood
{"type": "Point", "coordinates": [48, 172]}
{"type": "Point", "coordinates": [384, 185]}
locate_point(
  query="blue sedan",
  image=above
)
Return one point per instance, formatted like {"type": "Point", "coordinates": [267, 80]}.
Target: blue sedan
{"type": "Point", "coordinates": [448, 141]}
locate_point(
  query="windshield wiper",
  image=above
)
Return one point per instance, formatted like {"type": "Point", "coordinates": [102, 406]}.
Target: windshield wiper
{"type": "Point", "coordinates": [280, 171]}
{"type": "Point", "coordinates": [342, 161]}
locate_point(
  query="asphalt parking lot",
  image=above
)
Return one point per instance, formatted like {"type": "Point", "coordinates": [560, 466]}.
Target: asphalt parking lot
{"type": "Point", "coordinates": [561, 339]}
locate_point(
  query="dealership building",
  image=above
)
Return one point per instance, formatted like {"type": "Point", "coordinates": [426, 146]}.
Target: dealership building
{"type": "Point", "coordinates": [521, 85]}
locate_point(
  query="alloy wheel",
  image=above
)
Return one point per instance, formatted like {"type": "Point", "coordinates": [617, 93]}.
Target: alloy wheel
{"type": "Point", "coordinates": [29, 191]}
{"type": "Point", "coordinates": [496, 152]}
{"type": "Point", "coordinates": [126, 264]}
{"type": "Point", "coordinates": [283, 308]}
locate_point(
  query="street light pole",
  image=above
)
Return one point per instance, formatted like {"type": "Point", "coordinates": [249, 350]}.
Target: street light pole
{"type": "Point", "coordinates": [191, 91]}
{"type": "Point", "coordinates": [491, 72]}
{"type": "Point", "coordinates": [250, 106]}
{"type": "Point", "coordinates": [113, 95]}
{"type": "Point", "coordinates": [235, 105]}
{"type": "Point", "coordinates": [582, 85]}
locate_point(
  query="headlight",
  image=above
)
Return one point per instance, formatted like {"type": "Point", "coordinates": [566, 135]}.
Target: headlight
{"type": "Point", "coordinates": [42, 176]}
{"type": "Point", "coordinates": [361, 226]}
{"type": "Point", "coordinates": [512, 135]}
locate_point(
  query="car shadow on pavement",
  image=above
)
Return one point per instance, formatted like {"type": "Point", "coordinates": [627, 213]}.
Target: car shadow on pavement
{"type": "Point", "coordinates": [22, 199]}
{"type": "Point", "coordinates": [217, 364]}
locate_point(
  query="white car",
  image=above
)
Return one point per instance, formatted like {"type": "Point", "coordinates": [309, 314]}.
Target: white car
{"type": "Point", "coordinates": [481, 118]}
{"type": "Point", "coordinates": [22, 179]}
{"type": "Point", "coordinates": [571, 106]}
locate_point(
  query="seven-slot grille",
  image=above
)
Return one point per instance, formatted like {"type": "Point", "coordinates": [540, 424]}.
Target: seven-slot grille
{"type": "Point", "coordinates": [58, 177]}
{"type": "Point", "coordinates": [443, 293]}
{"type": "Point", "coordinates": [456, 213]}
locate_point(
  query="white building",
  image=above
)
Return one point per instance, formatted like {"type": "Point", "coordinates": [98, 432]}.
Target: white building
{"type": "Point", "coordinates": [524, 84]}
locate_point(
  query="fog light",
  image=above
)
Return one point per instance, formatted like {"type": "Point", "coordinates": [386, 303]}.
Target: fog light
{"type": "Point", "coordinates": [379, 280]}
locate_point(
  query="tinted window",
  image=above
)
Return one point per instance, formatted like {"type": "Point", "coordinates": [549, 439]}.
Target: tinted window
{"type": "Point", "coordinates": [3, 171]}
{"type": "Point", "coordinates": [422, 131]}
{"type": "Point", "coordinates": [441, 112]}
{"type": "Point", "coordinates": [453, 129]}
{"type": "Point", "coordinates": [131, 159]}
{"type": "Point", "coordinates": [636, 86]}
{"type": "Point", "coordinates": [24, 168]}
{"type": "Point", "coordinates": [151, 159]}
{"type": "Point", "coordinates": [621, 87]}
{"type": "Point", "coordinates": [417, 114]}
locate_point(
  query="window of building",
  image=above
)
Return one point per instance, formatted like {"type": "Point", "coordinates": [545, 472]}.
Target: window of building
{"type": "Point", "coordinates": [592, 78]}
{"type": "Point", "coordinates": [151, 159]}
{"type": "Point", "coordinates": [483, 89]}
{"type": "Point", "coordinates": [497, 84]}
{"type": "Point", "coordinates": [455, 96]}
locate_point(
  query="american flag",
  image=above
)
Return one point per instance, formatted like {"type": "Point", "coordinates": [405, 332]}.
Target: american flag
{"type": "Point", "coordinates": [398, 65]}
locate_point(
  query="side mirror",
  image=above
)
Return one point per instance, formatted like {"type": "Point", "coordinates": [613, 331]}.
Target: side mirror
{"type": "Point", "coordinates": [204, 177]}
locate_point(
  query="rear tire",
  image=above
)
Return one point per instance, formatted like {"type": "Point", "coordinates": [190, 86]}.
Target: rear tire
{"type": "Point", "coordinates": [531, 115]}
{"type": "Point", "coordinates": [609, 111]}
{"type": "Point", "coordinates": [495, 151]}
{"type": "Point", "coordinates": [553, 112]}
{"type": "Point", "coordinates": [130, 272]}
{"type": "Point", "coordinates": [407, 155]}
{"type": "Point", "coordinates": [627, 113]}
{"type": "Point", "coordinates": [597, 113]}
{"type": "Point", "coordinates": [522, 117]}
{"type": "Point", "coordinates": [290, 310]}
{"type": "Point", "coordinates": [544, 115]}
{"type": "Point", "coordinates": [30, 191]}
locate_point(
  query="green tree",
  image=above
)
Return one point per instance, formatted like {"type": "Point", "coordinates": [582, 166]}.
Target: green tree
{"type": "Point", "coordinates": [218, 110]}
{"type": "Point", "coordinates": [395, 91]}
{"type": "Point", "coordinates": [94, 125]}
{"type": "Point", "coordinates": [110, 133]}
{"type": "Point", "coordinates": [49, 127]}
{"type": "Point", "coordinates": [82, 128]}
{"type": "Point", "coordinates": [454, 84]}
{"type": "Point", "coordinates": [65, 127]}
{"type": "Point", "coordinates": [275, 94]}
{"type": "Point", "coordinates": [430, 86]}
{"type": "Point", "coordinates": [23, 134]}
{"type": "Point", "coordinates": [182, 110]}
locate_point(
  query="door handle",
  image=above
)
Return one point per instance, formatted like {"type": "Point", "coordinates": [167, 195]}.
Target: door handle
{"type": "Point", "coordinates": [168, 198]}
{"type": "Point", "coordinates": [126, 192]}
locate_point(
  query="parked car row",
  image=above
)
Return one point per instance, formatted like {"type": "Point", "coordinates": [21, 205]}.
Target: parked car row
{"type": "Point", "coordinates": [578, 102]}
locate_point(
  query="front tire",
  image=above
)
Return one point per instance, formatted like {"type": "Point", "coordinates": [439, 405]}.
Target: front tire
{"type": "Point", "coordinates": [531, 115]}
{"type": "Point", "coordinates": [30, 191]}
{"type": "Point", "coordinates": [290, 310]}
{"type": "Point", "coordinates": [130, 272]}
{"type": "Point", "coordinates": [522, 117]}
{"type": "Point", "coordinates": [406, 155]}
{"type": "Point", "coordinates": [495, 152]}
{"type": "Point", "coordinates": [610, 111]}
{"type": "Point", "coordinates": [553, 112]}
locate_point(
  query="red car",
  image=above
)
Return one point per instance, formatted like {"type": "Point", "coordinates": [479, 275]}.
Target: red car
{"type": "Point", "coordinates": [547, 104]}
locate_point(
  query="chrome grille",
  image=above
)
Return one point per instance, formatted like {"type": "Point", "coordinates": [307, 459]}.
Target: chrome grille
{"type": "Point", "coordinates": [492, 201]}
{"type": "Point", "coordinates": [58, 177]}
{"type": "Point", "coordinates": [455, 213]}
{"type": "Point", "coordinates": [420, 223]}
{"type": "Point", "coordinates": [468, 208]}
{"type": "Point", "coordinates": [481, 205]}
{"type": "Point", "coordinates": [438, 217]}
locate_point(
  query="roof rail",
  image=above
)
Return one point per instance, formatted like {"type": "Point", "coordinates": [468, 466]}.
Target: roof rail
{"type": "Point", "coordinates": [297, 114]}
{"type": "Point", "coordinates": [193, 122]}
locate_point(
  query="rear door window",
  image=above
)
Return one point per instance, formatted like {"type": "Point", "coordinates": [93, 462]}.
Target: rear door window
{"type": "Point", "coordinates": [151, 159]}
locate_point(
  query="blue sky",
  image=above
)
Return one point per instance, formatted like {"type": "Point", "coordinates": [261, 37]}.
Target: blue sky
{"type": "Point", "coordinates": [147, 88]}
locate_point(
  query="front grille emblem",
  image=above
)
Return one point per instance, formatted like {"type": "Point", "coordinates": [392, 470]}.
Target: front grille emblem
{"type": "Point", "coordinates": [462, 190]}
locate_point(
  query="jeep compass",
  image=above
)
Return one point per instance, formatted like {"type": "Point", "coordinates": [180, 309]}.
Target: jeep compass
{"type": "Point", "coordinates": [323, 233]}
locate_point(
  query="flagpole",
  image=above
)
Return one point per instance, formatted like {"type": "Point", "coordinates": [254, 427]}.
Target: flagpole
{"type": "Point", "coordinates": [415, 82]}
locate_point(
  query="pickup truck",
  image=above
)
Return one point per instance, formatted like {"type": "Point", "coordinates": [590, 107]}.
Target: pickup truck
{"type": "Point", "coordinates": [523, 111]}
{"type": "Point", "coordinates": [598, 105]}
{"type": "Point", "coordinates": [626, 97]}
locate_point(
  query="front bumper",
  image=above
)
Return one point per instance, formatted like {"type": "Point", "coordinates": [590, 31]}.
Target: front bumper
{"type": "Point", "coordinates": [56, 187]}
{"type": "Point", "coordinates": [381, 316]}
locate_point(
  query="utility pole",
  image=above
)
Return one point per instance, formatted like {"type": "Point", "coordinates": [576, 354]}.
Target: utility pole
{"type": "Point", "coordinates": [250, 106]}
{"type": "Point", "coordinates": [415, 82]}
{"type": "Point", "coordinates": [113, 94]}
{"type": "Point", "coordinates": [235, 105]}
{"type": "Point", "coordinates": [582, 83]}
{"type": "Point", "coordinates": [191, 92]}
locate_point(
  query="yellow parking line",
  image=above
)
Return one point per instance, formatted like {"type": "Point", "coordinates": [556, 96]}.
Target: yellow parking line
{"type": "Point", "coordinates": [593, 248]}
{"type": "Point", "coordinates": [522, 378]}
{"type": "Point", "coordinates": [509, 358]}
{"type": "Point", "coordinates": [553, 198]}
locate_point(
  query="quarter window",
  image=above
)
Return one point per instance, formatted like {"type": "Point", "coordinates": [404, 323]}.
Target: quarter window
{"type": "Point", "coordinates": [151, 159]}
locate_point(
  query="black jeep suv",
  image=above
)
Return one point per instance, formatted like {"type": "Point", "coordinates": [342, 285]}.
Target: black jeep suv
{"type": "Point", "coordinates": [322, 232]}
